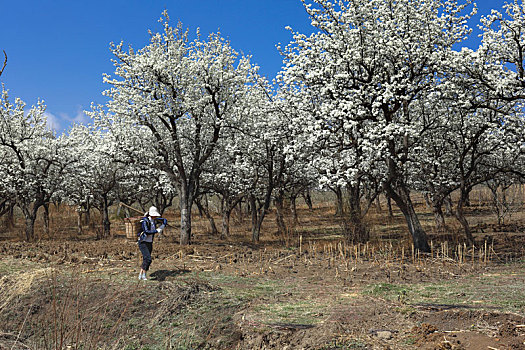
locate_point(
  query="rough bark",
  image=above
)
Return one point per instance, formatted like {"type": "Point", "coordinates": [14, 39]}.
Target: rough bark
{"type": "Point", "coordinates": [404, 202]}
{"type": "Point", "coordinates": [338, 201]}
{"type": "Point", "coordinates": [185, 217]}
{"type": "Point", "coordinates": [30, 211]}
{"type": "Point", "coordinates": [460, 215]}
{"type": "Point", "coordinates": [106, 224]}
{"type": "Point", "coordinates": [357, 232]}
{"type": "Point", "coordinates": [46, 219]}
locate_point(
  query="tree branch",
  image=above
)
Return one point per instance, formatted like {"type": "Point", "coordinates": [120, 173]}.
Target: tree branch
{"type": "Point", "coordinates": [5, 63]}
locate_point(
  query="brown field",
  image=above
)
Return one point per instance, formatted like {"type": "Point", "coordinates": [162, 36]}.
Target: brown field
{"type": "Point", "coordinates": [308, 290]}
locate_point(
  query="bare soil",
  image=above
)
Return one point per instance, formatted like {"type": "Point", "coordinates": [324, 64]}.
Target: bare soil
{"type": "Point", "coordinates": [311, 290]}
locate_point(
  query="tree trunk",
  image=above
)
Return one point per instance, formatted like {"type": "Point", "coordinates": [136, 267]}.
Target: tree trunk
{"type": "Point", "coordinates": [256, 229]}
{"type": "Point", "coordinates": [439, 218]}
{"type": "Point", "coordinates": [308, 199]}
{"type": "Point", "coordinates": [9, 220]}
{"type": "Point", "coordinates": [293, 209]}
{"type": "Point", "coordinates": [357, 230]}
{"type": "Point", "coordinates": [87, 215]}
{"type": "Point", "coordinates": [240, 212]}
{"type": "Point", "coordinates": [205, 211]}
{"type": "Point", "coordinates": [226, 223]}
{"type": "Point", "coordinates": [79, 220]}
{"type": "Point", "coordinates": [30, 211]}
{"type": "Point", "coordinates": [46, 219]}
{"type": "Point", "coordinates": [186, 202]}
{"type": "Point", "coordinates": [404, 202]}
{"type": "Point", "coordinates": [339, 201]}
{"type": "Point", "coordinates": [389, 206]}
{"type": "Point", "coordinates": [460, 215]}
{"type": "Point", "coordinates": [279, 217]}
{"type": "Point", "coordinates": [106, 224]}
{"type": "Point", "coordinates": [378, 204]}
{"type": "Point", "coordinates": [30, 227]}
{"type": "Point", "coordinates": [448, 206]}
{"type": "Point", "coordinates": [258, 214]}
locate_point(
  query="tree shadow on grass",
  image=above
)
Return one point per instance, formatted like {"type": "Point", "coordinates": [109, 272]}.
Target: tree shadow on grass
{"type": "Point", "coordinates": [161, 275]}
{"type": "Point", "coordinates": [445, 307]}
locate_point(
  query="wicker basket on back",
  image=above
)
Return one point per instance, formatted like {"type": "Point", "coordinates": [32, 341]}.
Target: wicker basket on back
{"type": "Point", "coordinates": [133, 227]}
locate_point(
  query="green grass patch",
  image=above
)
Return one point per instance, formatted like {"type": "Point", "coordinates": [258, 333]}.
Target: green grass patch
{"type": "Point", "coordinates": [505, 291]}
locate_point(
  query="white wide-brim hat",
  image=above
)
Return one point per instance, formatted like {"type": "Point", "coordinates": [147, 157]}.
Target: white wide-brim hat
{"type": "Point", "coordinates": [153, 211]}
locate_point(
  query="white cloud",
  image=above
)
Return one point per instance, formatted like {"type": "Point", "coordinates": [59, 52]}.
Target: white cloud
{"type": "Point", "coordinates": [53, 122]}
{"type": "Point", "coordinates": [61, 122]}
{"type": "Point", "coordinates": [79, 118]}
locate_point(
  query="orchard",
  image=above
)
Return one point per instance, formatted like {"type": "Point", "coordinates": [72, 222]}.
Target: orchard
{"type": "Point", "coordinates": [382, 170]}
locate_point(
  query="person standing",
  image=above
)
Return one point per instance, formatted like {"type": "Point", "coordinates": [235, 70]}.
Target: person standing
{"type": "Point", "coordinates": [149, 228]}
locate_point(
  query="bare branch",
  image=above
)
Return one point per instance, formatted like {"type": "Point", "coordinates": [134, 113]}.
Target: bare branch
{"type": "Point", "coordinates": [5, 63]}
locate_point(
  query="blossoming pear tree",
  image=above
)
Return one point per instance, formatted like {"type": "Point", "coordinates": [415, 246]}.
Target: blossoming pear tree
{"type": "Point", "coordinates": [365, 65]}
{"type": "Point", "coordinates": [174, 97]}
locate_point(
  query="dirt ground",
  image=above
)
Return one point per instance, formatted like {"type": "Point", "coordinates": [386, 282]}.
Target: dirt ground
{"type": "Point", "coordinates": [315, 292]}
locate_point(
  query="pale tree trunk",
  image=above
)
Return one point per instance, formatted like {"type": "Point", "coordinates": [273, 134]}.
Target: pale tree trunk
{"type": "Point", "coordinates": [186, 203]}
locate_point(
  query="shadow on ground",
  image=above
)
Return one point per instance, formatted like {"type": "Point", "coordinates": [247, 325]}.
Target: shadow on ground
{"type": "Point", "coordinates": [161, 275]}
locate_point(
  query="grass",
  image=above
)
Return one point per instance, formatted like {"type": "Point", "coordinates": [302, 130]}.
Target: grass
{"type": "Point", "coordinates": [505, 292]}
{"type": "Point", "coordinates": [301, 312]}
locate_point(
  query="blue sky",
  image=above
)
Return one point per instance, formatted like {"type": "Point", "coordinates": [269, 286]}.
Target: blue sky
{"type": "Point", "coordinates": [58, 50]}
